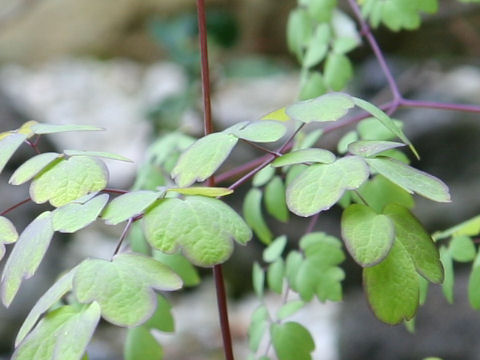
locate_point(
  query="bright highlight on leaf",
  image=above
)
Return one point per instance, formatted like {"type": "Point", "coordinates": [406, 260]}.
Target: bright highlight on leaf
{"type": "Point", "coordinates": [305, 156]}
{"type": "Point", "coordinates": [368, 148]}
{"type": "Point", "coordinates": [263, 131]}
{"type": "Point", "coordinates": [320, 186]}
{"type": "Point", "coordinates": [203, 191]}
{"type": "Point", "coordinates": [32, 167]}
{"type": "Point", "coordinates": [66, 180]}
{"type": "Point", "coordinates": [329, 107]}
{"type": "Point", "coordinates": [101, 154]}
{"type": "Point", "coordinates": [411, 179]}
{"type": "Point", "coordinates": [8, 145]}
{"type": "Point", "coordinates": [203, 227]}
{"type": "Point", "coordinates": [26, 256]}
{"type": "Point", "coordinates": [62, 334]}
{"type": "Point", "coordinates": [123, 287]}
{"type": "Point", "coordinates": [128, 205]}
{"type": "Point", "coordinates": [203, 158]}
{"type": "Point", "coordinates": [368, 236]}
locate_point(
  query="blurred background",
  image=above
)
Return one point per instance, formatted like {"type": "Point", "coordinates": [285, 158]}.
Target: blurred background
{"type": "Point", "coordinates": [132, 67]}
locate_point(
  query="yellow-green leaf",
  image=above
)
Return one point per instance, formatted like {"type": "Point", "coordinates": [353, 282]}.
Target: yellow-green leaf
{"type": "Point", "coordinates": [203, 191]}
{"type": "Point", "coordinates": [32, 167]}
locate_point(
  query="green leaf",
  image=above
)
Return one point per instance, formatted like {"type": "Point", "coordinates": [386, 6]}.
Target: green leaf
{"type": "Point", "coordinates": [263, 176]}
{"type": "Point", "coordinates": [298, 31]}
{"type": "Point", "coordinates": [203, 158]}
{"type": "Point", "coordinates": [128, 205]}
{"type": "Point", "coordinates": [62, 335]}
{"type": "Point", "coordinates": [392, 286]}
{"type": "Point", "coordinates": [41, 129]}
{"type": "Point", "coordinates": [26, 255]}
{"type": "Point", "coordinates": [474, 285]}
{"type": "Point", "coordinates": [50, 298]}
{"type": "Point", "coordinates": [123, 287]}
{"type": "Point", "coordinates": [162, 319]}
{"type": "Point", "coordinates": [322, 185]}
{"type": "Point", "coordinates": [418, 243]}
{"type": "Point", "coordinates": [312, 85]}
{"type": "Point", "coordinates": [308, 140]}
{"type": "Point", "coordinates": [346, 140]}
{"type": "Point", "coordinates": [180, 265]}
{"type": "Point", "coordinates": [462, 249]}
{"type": "Point", "coordinates": [449, 278]}
{"type": "Point", "coordinates": [274, 251]}
{"type": "Point", "coordinates": [275, 201]}
{"type": "Point", "coordinates": [329, 107]}
{"type": "Point", "coordinates": [305, 156]}
{"type": "Point", "coordinates": [277, 115]}
{"type": "Point", "coordinates": [386, 121]}
{"type": "Point", "coordinates": [338, 71]}
{"type": "Point", "coordinates": [368, 129]}
{"type": "Point", "coordinates": [258, 327]}
{"type": "Point", "coordinates": [65, 180]}
{"type": "Point", "coordinates": [203, 227]}
{"type": "Point", "coordinates": [379, 192]}
{"type": "Point", "coordinates": [75, 216]}
{"type": "Point", "coordinates": [423, 289]}
{"type": "Point", "coordinates": [368, 236]}
{"type": "Point", "coordinates": [318, 46]}
{"type": "Point", "coordinates": [140, 344]}
{"type": "Point", "coordinates": [262, 131]}
{"type": "Point", "coordinates": [32, 167]}
{"type": "Point", "coordinates": [289, 309]}
{"type": "Point", "coordinates": [470, 227]}
{"type": "Point", "coordinates": [203, 191]}
{"type": "Point", "coordinates": [369, 148]}
{"type": "Point", "coordinates": [292, 265]}
{"type": "Point", "coordinates": [8, 145]}
{"type": "Point", "coordinates": [258, 279]}
{"type": "Point", "coordinates": [101, 154]}
{"type": "Point", "coordinates": [292, 341]}
{"type": "Point", "coordinates": [411, 179]}
{"type": "Point", "coordinates": [275, 273]}
{"type": "Point", "coordinates": [252, 211]}
{"type": "Point", "coordinates": [8, 234]}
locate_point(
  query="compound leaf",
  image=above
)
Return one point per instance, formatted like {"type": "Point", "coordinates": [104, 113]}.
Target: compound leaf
{"type": "Point", "coordinates": [102, 154]}
{"type": "Point", "coordinates": [320, 186]}
{"type": "Point", "coordinates": [65, 180]}
{"type": "Point", "coordinates": [26, 255]}
{"type": "Point", "coordinates": [305, 156]}
{"type": "Point", "coordinates": [368, 236]}
{"type": "Point", "coordinates": [8, 145]}
{"type": "Point", "coordinates": [75, 216]}
{"type": "Point", "coordinates": [292, 341]}
{"type": "Point", "coordinates": [418, 243]}
{"type": "Point", "coordinates": [32, 167]}
{"type": "Point", "coordinates": [124, 287]}
{"type": "Point", "coordinates": [203, 158]}
{"type": "Point", "coordinates": [203, 227]}
{"type": "Point", "coordinates": [368, 148]}
{"type": "Point", "coordinates": [411, 179]}
{"type": "Point", "coordinates": [252, 211]}
{"type": "Point", "coordinates": [128, 205]}
{"type": "Point", "coordinates": [328, 107]}
{"type": "Point", "coordinates": [263, 131]}
{"type": "Point", "coordinates": [62, 335]}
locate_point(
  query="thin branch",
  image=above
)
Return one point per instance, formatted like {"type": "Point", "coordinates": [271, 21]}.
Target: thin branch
{"type": "Point", "coordinates": [440, 105]}
{"type": "Point", "coordinates": [114, 191]}
{"type": "Point", "coordinates": [123, 236]}
{"type": "Point", "coordinates": [312, 223]}
{"type": "Point", "coordinates": [5, 212]}
{"type": "Point", "coordinates": [261, 148]}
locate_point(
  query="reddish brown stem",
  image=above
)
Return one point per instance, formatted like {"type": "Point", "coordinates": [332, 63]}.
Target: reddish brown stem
{"type": "Point", "coordinates": [5, 212]}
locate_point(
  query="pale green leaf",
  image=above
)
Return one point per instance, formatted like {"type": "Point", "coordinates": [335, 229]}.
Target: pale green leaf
{"type": "Point", "coordinates": [75, 216]}
{"type": "Point", "coordinates": [418, 243]}
{"type": "Point", "coordinates": [292, 265]}
{"type": "Point", "coordinates": [102, 154]}
{"type": "Point", "coordinates": [62, 335]}
{"type": "Point", "coordinates": [275, 274]}
{"type": "Point", "coordinates": [424, 284]}
{"type": "Point", "coordinates": [368, 236]}
{"type": "Point", "coordinates": [293, 172]}
{"type": "Point", "coordinates": [470, 227]}
{"type": "Point", "coordinates": [411, 179]}
{"type": "Point", "coordinates": [369, 148]}
{"type": "Point", "coordinates": [8, 234]}
{"type": "Point", "coordinates": [180, 265]}
{"type": "Point", "coordinates": [203, 227]}
{"type": "Point", "coordinates": [474, 285]}
{"type": "Point", "coordinates": [312, 85]}
{"type": "Point", "coordinates": [305, 156]}
{"type": "Point", "coordinates": [258, 327]}
{"type": "Point", "coordinates": [128, 205]}
{"type": "Point", "coordinates": [292, 341]}
{"type": "Point", "coordinates": [258, 279]}
{"type": "Point", "coordinates": [329, 107]}
{"type": "Point", "coordinates": [8, 145]}
{"type": "Point", "coordinates": [322, 185]}
{"type": "Point", "coordinates": [345, 140]}
{"type": "Point", "coordinates": [318, 46]}
{"type": "Point", "coordinates": [67, 180]}
{"type": "Point", "coordinates": [262, 131]}
{"type": "Point", "coordinates": [307, 141]}
{"type": "Point", "coordinates": [32, 167]}
{"type": "Point", "coordinates": [462, 249]}
{"type": "Point", "coordinates": [386, 121]}
{"type": "Point", "coordinates": [298, 31]}
{"type": "Point", "coordinates": [140, 344]}
{"type": "Point", "coordinates": [263, 176]}
{"type": "Point", "coordinates": [449, 278]}
{"type": "Point", "coordinates": [203, 158]}
{"type": "Point", "coordinates": [325, 248]}
{"type": "Point", "coordinates": [289, 309]}
{"type": "Point", "coordinates": [162, 319]}
{"type": "Point", "coordinates": [392, 286]}
{"type": "Point", "coordinates": [275, 201]}
{"type": "Point", "coordinates": [50, 298]}
{"type": "Point", "coordinates": [252, 211]}
{"type": "Point", "coordinates": [40, 129]}
{"type": "Point", "coordinates": [203, 191]}
{"type": "Point", "coordinates": [275, 249]}
{"type": "Point", "coordinates": [26, 255]}
{"type": "Point", "coordinates": [338, 71]}
{"type": "Point", "coordinates": [368, 129]}
{"type": "Point", "coordinates": [123, 287]}
{"type": "Point", "coordinates": [277, 115]}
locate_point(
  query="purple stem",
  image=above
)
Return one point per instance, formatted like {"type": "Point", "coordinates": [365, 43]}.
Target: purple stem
{"type": "Point", "coordinates": [5, 212]}
{"type": "Point", "coordinates": [439, 105]}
